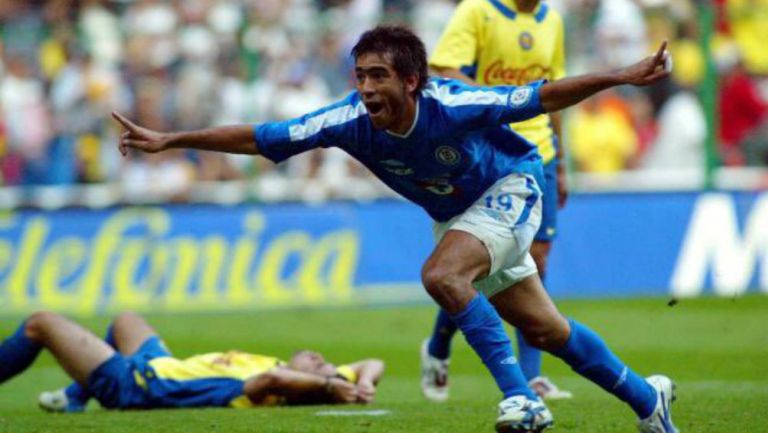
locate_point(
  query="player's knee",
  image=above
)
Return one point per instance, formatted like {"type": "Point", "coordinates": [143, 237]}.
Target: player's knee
{"type": "Point", "coordinates": [442, 285]}
{"type": "Point", "coordinates": [127, 320]}
{"type": "Point", "coordinates": [38, 323]}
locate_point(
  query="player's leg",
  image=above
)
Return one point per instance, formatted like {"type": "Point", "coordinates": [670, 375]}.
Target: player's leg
{"type": "Point", "coordinates": [439, 343]}
{"type": "Point", "coordinates": [17, 352]}
{"type": "Point", "coordinates": [76, 349]}
{"type": "Point", "coordinates": [528, 307]}
{"type": "Point", "coordinates": [130, 332]}
{"type": "Point", "coordinates": [435, 352]}
{"type": "Point", "coordinates": [459, 259]}
{"type": "Point", "coordinates": [530, 356]}
{"type": "Point", "coordinates": [125, 334]}
{"type": "Point", "coordinates": [474, 247]}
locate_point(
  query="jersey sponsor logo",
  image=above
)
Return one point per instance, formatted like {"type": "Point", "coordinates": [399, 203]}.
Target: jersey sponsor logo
{"type": "Point", "coordinates": [520, 96]}
{"type": "Point", "coordinates": [498, 73]}
{"type": "Point", "coordinates": [525, 40]}
{"type": "Point", "coordinates": [396, 167]}
{"type": "Point", "coordinates": [447, 155]}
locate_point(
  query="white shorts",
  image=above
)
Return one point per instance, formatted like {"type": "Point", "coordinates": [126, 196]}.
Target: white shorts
{"type": "Point", "coordinates": [505, 219]}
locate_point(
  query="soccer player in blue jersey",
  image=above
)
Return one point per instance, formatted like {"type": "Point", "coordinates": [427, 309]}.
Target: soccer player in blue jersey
{"type": "Point", "coordinates": [133, 369]}
{"type": "Point", "coordinates": [447, 147]}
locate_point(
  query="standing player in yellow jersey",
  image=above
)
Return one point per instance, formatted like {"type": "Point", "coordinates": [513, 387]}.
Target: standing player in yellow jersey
{"type": "Point", "coordinates": [506, 42]}
{"type": "Point", "coordinates": [133, 369]}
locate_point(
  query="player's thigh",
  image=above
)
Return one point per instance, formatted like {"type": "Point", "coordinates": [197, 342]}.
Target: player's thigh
{"type": "Point", "coordinates": [461, 253]}
{"type": "Point", "coordinates": [78, 350]}
{"type": "Point", "coordinates": [527, 306]}
{"type": "Point", "coordinates": [131, 331]}
{"type": "Point", "coordinates": [540, 253]}
{"type": "Point", "coordinates": [457, 260]}
{"type": "Point", "coordinates": [502, 221]}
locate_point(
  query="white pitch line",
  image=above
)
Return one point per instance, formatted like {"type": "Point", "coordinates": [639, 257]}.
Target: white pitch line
{"type": "Point", "coordinates": [377, 412]}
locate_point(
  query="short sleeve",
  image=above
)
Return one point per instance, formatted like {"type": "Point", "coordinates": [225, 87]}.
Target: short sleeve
{"type": "Point", "coordinates": [479, 107]}
{"type": "Point", "coordinates": [325, 127]}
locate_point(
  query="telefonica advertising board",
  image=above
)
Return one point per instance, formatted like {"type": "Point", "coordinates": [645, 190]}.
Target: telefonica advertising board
{"type": "Point", "coordinates": [205, 257]}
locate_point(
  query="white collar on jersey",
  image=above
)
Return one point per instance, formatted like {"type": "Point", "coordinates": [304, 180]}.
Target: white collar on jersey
{"type": "Point", "coordinates": [413, 125]}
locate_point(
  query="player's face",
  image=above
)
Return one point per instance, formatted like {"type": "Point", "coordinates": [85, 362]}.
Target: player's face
{"type": "Point", "coordinates": [311, 362]}
{"type": "Point", "coordinates": [386, 95]}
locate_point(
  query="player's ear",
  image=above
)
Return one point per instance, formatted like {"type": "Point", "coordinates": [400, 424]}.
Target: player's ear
{"type": "Point", "coordinates": [411, 83]}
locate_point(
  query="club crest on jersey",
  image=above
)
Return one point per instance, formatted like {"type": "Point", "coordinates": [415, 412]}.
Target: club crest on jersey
{"type": "Point", "coordinates": [447, 155]}
{"type": "Point", "coordinates": [525, 40]}
{"type": "Point", "coordinates": [520, 96]}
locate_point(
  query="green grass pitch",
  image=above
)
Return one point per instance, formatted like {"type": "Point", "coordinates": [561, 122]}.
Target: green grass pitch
{"type": "Point", "coordinates": [715, 349]}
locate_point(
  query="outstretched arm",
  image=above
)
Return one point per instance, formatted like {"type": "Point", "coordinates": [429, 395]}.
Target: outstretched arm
{"type": "Point", "coordinates": [300, 388]}
{"type": "Point", "coordinates": [368, 373]}
{"type": "Point", "coordinates": [563, 93]}
{"type": "Point", "coordinates": [230, 139]}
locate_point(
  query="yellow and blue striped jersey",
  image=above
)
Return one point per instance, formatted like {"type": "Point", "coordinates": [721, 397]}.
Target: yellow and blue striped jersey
{"type": "Point", "coordinates": [211, 379]}
{"type": "Point", "coordinates": [490, 41]}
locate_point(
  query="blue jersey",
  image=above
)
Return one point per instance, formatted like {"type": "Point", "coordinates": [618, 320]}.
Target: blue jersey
{"type": "Point", "coordinates": [459, 144]}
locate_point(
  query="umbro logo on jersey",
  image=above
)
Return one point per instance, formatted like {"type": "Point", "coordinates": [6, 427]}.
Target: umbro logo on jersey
{"type": "Point", "coordinates": [520, 96]}
{"type": "Point", "coordinates": [447, 155]}
{"type": "Point", "coordinates": [396, 167]}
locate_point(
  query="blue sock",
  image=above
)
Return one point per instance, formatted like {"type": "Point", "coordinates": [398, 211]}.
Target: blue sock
{"type": "Point", "coordinates": [588, 355]}
{"type": "Point", "coordinates": [442, 335]}
{"type": "Point", "coordinates": [79, 396]}
{"type": "Point", "coordinates": [530, 357]}
{"type": "Point", "coordinates": [484, 331]}
{"type": "Point", "coordinates": [17, 352]}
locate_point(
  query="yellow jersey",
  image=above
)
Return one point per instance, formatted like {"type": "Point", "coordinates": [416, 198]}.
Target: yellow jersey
{"type": "Point", "coordinates": [211, 379]}
{"type": "Point", "coordinates": [495, 44]}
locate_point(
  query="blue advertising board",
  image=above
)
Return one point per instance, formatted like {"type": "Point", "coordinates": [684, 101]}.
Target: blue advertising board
{"type": "Point", "coordinates": [203, 257]}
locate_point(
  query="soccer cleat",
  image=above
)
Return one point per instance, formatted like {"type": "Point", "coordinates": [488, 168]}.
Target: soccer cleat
{"type": "Point", "coordinates": [547, 390]}
{"type": "Point", "coordinates": [57, 401]}
{"type": "Point", "coordinates": [519, 414]}
{"type": "Point", "coordinates": [434, 375]}
{"type": "Point", "coordinates": [660, 420]}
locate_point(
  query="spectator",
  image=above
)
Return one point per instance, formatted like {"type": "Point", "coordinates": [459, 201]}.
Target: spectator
{"type": "Point", "coordinates": [742, 109]}
{"type": "Point", "coordinates": [602, 139]}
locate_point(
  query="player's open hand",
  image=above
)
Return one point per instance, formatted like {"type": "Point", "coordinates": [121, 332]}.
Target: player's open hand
{"type": "Point", "coordinates": [650, 69]}
{"type": "Point", "coordinates": [137, 137]}
{"type": "Point", "coordinates": [366, 392]}
{"type": "Point", "coordinates": [342, 391]}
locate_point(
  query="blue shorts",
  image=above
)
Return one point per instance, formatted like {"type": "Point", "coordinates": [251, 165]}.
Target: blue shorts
{"type": "Point", "coordinates": [114, 383]}
{"type": "Point", "coordinates": [548, 227]}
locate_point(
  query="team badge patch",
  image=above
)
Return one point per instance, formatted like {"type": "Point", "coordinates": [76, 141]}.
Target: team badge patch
{"type": "Point", "coordinates": [520, 96]}
{"type": "Point", "coordinates": [447, 155]}
{"type": "Point", "coordinates": [525, 40]}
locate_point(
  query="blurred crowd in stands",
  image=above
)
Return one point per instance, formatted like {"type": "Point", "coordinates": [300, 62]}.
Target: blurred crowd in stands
{"type": "Point", "coordinates": [186, 64]}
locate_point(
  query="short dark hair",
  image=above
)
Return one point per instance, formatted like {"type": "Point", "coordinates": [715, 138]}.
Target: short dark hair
{"type": "Point", "coordinates": [409, 57]}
